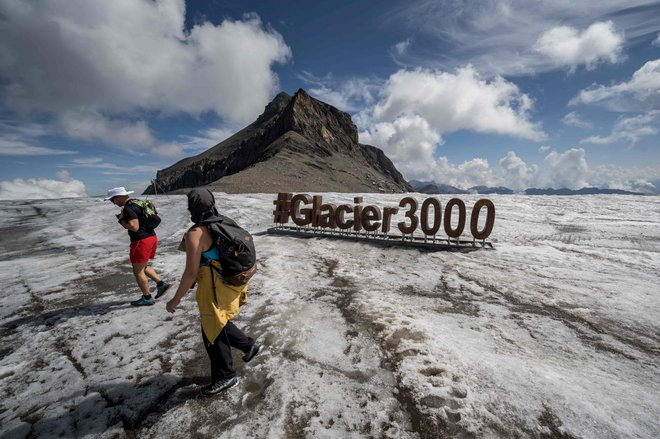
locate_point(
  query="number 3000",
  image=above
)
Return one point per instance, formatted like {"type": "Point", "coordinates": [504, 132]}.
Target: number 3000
{"type": "Point", "coordinates": [431, 221]}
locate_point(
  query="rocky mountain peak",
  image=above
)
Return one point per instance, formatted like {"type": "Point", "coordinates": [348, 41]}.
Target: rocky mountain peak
{"type": "Point", "coordinates": [274, 107]}
{"type": "Point", "coordinates": [297, 143]}
{"type": "Point", "coordinates": [320, 121]}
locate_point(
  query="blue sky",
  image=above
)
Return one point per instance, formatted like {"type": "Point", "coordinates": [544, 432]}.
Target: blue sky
{"type": "Point", "coordinates": [96, 94]}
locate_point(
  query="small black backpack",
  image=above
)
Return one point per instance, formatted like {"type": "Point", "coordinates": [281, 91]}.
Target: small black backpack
{"type": "Point", "coordinates": [235, 245]}
{"type": "Point", "coordinates": [149, 216]}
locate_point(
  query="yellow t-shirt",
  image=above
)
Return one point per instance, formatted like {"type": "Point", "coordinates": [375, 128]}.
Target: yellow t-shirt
{"type": "Point", "coordinates": [217, 309]}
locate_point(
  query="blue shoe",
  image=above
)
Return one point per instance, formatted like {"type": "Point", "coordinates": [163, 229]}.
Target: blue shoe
{"type": "Point", "coordinates": [162, 289]}
{"type": "Point", "coordinates": [143, 301]}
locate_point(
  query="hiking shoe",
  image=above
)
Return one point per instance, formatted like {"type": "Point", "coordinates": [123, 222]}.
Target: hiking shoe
{"type": "Point", "coordinates": [144, 301]}
{"type": "Point", "coordinates": [251, 353]}
{"type": "Point", "coordinates": [219, 386]}
{"type": "Point", "coordinates": [162, 289]}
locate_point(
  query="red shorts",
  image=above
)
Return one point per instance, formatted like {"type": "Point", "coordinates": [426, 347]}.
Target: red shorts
{"type": "Point", "coordinates": [143, 250]}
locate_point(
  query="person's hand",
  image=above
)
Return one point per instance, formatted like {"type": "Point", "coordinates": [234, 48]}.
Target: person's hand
{"type": "Point", "coordinates": [172, 304]}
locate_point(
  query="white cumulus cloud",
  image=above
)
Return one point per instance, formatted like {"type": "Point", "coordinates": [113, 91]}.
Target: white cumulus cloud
{"type": "Point", "coordinates": [637, 179]}
{"type": "Point", "coordinates": [474, 172]}
{"type": "Point", "coordinates": [568, 47]}
{"type": "Point", "coordinates": [518, 175]}
{"type": "Point", "coordinates": [568, 169]}
{"type": "Point", "coordinates": [119, 58]}
{"type": "Point", "coordinates": [629, 130]}
{"type": "Point", "coordinates": [409, 141]}
{"type": "Point", "coordinates": [40, 188]}
{"type": "Point", "coordinates": [641, 93]}
{"type": "Point", "coordinates": [458, 101]}
{"type": "Point", "coordinates": [417, 107]}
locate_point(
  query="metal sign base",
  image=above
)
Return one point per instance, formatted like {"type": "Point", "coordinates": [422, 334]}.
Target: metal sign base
{"type": "Point", "coordinates": [427, 243]}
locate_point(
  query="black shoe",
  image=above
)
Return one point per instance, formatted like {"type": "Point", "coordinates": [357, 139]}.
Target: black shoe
{"type": "Point", "coordinates": [162, 289]}
{"type": "Point", "coordinates": [251, 353]}
{"type": "Point", "coordinates": [219, 386]}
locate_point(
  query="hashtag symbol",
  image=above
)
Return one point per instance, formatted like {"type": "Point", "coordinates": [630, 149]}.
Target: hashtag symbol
{"type": "Point", "coordinates": [282, 208]}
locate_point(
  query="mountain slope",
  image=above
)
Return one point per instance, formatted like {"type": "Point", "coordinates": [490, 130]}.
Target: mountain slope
{"type": "Point", "coordinates": [297, 144]}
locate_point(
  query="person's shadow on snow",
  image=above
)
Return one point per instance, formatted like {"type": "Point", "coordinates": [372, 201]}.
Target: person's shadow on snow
{"type": "Point", "coordinates": [123, 406]}
{"type": "Point", "coordinates": [57, 316]}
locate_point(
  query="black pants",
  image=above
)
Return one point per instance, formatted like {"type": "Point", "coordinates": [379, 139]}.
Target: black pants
{"type": "Point", "coordinates": [222, 366]}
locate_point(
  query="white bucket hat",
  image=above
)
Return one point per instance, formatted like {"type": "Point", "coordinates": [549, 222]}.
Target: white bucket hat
{"type": "Point", "coordinates": [116, 192]}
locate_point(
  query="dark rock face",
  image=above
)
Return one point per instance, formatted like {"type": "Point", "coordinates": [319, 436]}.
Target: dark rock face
{"type": "Point", "coordinates": [297, 144]}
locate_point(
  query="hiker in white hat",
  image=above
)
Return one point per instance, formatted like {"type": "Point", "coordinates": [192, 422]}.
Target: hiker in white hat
{"type": "Point", "coordinates": [140, 219]}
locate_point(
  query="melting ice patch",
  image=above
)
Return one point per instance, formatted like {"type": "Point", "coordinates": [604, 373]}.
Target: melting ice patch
{"type": "Point", "coordinates": [555, 333]}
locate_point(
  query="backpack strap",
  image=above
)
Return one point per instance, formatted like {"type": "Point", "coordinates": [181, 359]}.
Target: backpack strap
{"type": "Point", "coordinates": [214, 268]}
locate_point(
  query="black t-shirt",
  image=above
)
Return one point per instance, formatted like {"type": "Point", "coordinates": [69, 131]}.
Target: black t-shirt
{"type": "Point", "coordinates": [132, 211]}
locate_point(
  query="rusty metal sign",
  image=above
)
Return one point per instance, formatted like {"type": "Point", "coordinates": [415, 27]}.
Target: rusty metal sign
{"type": "Point", "coordinates": [312, 217]}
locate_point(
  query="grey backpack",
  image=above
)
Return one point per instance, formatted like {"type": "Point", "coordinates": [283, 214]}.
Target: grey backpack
{"type": "Point", "coordinates": [235, 245]}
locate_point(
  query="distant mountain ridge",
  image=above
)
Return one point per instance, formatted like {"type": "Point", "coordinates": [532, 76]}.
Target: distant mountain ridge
{"type": "Point", "coordinates": [297, 144]}
{"type": "Point", "coordinates": [583, 191]}
{"type": "Point", "coordinates": [427, 187]}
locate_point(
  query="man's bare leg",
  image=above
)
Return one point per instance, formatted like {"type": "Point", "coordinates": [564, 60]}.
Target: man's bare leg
{"type": "Point", "coordinates": [151, 273]}
{"type": "Point", "coordinates": [141, 278]}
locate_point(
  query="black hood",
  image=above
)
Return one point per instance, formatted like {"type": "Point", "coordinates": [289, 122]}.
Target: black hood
{"type": "Point", "coordinates": [201, 205]}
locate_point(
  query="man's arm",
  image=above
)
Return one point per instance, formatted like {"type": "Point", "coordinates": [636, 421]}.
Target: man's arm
{"type": "Point", "coordinates": [128, 219]}
{"type": "Point", "coordinates": [132, 225]}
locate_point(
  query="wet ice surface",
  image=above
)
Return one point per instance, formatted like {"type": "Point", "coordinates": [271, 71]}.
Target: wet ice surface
{"type": "Point", "coordinates": [553, 334]}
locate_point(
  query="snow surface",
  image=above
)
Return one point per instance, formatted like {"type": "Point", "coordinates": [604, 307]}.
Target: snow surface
{"type": "Point", "coordinates": [554, 333]}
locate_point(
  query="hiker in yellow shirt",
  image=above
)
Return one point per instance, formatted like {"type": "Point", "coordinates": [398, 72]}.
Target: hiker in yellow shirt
{"type": "Point", "coordinates": [218, 301]}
